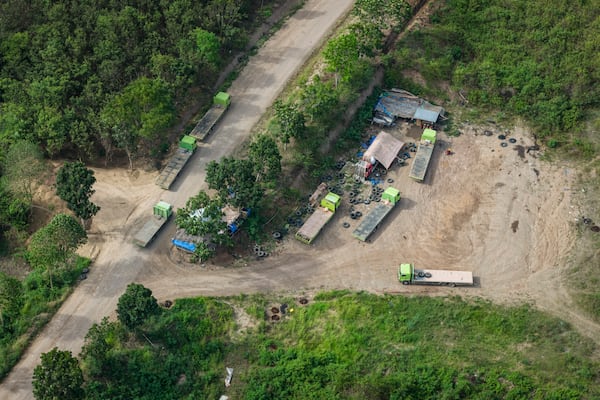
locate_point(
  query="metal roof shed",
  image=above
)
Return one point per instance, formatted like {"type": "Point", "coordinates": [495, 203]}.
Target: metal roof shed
{"type": "Point", "coordinates": [384, 149]}
{"type": "Point", "coordinates": [428, 112]}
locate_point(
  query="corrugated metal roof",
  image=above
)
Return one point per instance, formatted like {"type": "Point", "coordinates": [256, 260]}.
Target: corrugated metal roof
{"type": "Point", "coordinates": [384, 149]}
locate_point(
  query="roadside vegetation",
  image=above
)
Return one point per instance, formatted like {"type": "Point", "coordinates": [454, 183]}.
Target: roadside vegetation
{"type": "Point", "coordinates": [89, 81]}
{"type": "Point", "coordinates": [340, 345]}
{"type": "Point", "coordinates": [536, 62]}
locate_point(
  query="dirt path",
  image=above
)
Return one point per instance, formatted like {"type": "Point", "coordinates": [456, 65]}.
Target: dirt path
{"type": "Point", "coordinates": [127, 198]}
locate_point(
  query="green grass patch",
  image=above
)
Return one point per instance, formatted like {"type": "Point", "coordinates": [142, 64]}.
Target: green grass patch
{"type": "Point", "coordinates": [345, 345]}
{"type": "Point", "coordinates": [39, 303]}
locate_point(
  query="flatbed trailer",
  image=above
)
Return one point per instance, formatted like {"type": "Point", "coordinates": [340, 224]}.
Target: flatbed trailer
{"type": "Point", "coordinates": [313, 225]}
{"type": "Point", "coordinates": [203, 128]}
{"type": "Point", "coordinates": [408, 275]}
{"type": "Point", "coordinates": [161, 213]}
{"type": "Point", "coordinates": [371, 222]}
{"type": "Point", "coordinates": [418, 170]}
{"type": "Point", "coordinates": [318, 219]}
{"type": "Point", "coordinates": [173, 168]}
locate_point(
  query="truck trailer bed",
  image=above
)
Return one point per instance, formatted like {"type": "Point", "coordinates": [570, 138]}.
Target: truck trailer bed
{"type": "Point", "coordinates": [148, 231]}
{"type": "Point", "coordinates": [313, 225]}
{"type": "Point", "coordinates": [173, 168]}
{"type": "Point", "coordinates": [442, 277]}
{"type": "Point", "coordinates": [205, 125]}
{"type": "Point", "coordinates": [421, 162]}
{"type": "Point", "coordinates": [372, 221]}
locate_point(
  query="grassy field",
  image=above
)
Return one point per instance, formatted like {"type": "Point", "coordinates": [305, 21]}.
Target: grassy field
{"type": "Point", "coordinates": [344, 345]}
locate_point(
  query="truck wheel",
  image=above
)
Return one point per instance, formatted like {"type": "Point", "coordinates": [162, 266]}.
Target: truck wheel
{"type": "Point", "coordinates": [427, 274]}
{"type": "Point", "coordinates": [405, 282]}
{"type": "Point", "coordinates": [421, 274]}
{"type": "Point", "coordinates": [452, 285]}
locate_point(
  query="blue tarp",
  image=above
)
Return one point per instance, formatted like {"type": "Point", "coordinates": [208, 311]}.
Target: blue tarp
{"type": "Point", "coordinates": [184, 245]}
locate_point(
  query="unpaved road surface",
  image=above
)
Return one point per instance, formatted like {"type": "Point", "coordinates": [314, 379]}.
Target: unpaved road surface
{"type": "Point", "coordinates": [127, 198]}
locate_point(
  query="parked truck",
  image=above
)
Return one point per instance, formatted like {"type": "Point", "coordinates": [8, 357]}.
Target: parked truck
{"type": "Point", "coordinates": [319, 218]}
{"type": "Point", "coordinates": [161, 213]}
{"type": "Point", "coordinates": [203, 128]}
{"type": "Point", "coordinates": [408, 275]}
{"type": "Point", "coordinates": [423, 155]}
{"type": "Point", "coordinates": [389, 199]}
{"type": "Point", "coordinates": [184, 152]}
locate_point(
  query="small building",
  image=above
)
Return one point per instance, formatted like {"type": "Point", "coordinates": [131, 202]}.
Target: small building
{"type": "Point", "coordinates": [398, 103]}
{"type": "Point", "coordinates": [383, 150]}
{"type": "Point", "coordinates": [427, 115]}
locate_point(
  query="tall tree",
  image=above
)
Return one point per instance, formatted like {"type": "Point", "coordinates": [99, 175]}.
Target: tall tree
{"type": "Point", "coordinates": [291, 121]}
{"type": "Point", "coordinates": [208, 47]}
{"type": "Point", "coordinates": [142, 111]}
{"type": "Point", "coordinates": [23, 168]}
{"type": "Point", "coordinates": [58, 376]}
{"type": "Point", "coordinates": [74, 185]}
{"type": "Point", "coordinates": [203, 217]}
{"type": "Point", "coordinates": [136, 305]}
{"type": "Point", "coordinates": [55, 243]}
{"type": "Point", "coordinates": [341, 54]}
{"type": "Point", "coordinates": [235, 182]}
{"type": "Point", "coordinates": [266, 159]}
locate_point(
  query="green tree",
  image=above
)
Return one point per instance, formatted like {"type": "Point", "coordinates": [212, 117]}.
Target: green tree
{"type": "Point", "coordinates": [136, 305]}
{"type": "Point", "coordinates": [142, 111]}
{"type": "Point", "coordinates": [53, 244]}
{"type": "Point", "coordinates": [208, 47]}
{"type": "Point", "coordinates": [341, 54]}
{"type": "Point", "coordinates": [383, 13]}
{"type": "Point", "coordinates": [203, 217]}
{"type": "Point", "coordinates": [266, 159]}
{"type": "Point", "coordinates": [11, 299]}
{"type": "Point", "coordinates": [74, 185]}
{"type": "Point", "coordinates": [235, 182]}
{"type": "Point", "coordinates": [319, 100]}
{"type": "Point", "coordinates": [100, 342]}
{"type": "Point", "coordinates": [23, 168]}
{"type": "Point", "coordinates": [204, 251]}
{"type": "Point", "coordinates": [58, 377]}
{"type": "Point", "coordinates": [291, 121]}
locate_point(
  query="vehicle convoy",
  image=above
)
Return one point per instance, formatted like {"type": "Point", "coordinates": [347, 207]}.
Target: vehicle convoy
{"type": "Point", "coordinates": [424, 152]}
{"type": "Point", "coordinates": [221, 102]}
{"type": "Point", "coordinates": [389, 199]}
{"type": "Point", "coordinates": [408, 275]}
{"type": "Point", "coordinates": [319, 218]}
{"type": "Point", "coordinates": [184, 152]}
{"type": "Point", "coordinates": [161, 213]}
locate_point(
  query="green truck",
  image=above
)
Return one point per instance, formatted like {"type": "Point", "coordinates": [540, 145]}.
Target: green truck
{"type": "Point", "coordinates": [161, 213]}
{"type": "Point", "coordinates": [221, 102]}
{"type": "Point", "coordinates": [319, 218]}
{"type": "Point", "coordinates": [184, 152]}
{"type": "Point", "coordinates": [408, 275]}
{"type": "Point", "coordinates": [389, 199]}
{"type": "Point", "coordinates": [423, 155]}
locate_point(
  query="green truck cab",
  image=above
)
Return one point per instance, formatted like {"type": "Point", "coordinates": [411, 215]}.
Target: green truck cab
{"type": "Point", "coordinates": [408, 275]}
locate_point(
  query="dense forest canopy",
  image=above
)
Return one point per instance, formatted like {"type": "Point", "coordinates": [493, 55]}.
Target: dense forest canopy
{"type": "Point", "coordinates": [64, 65]}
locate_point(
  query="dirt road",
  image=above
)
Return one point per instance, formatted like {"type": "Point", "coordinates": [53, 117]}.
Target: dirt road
{"type": "Point", "coordinates": [127, 198]}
